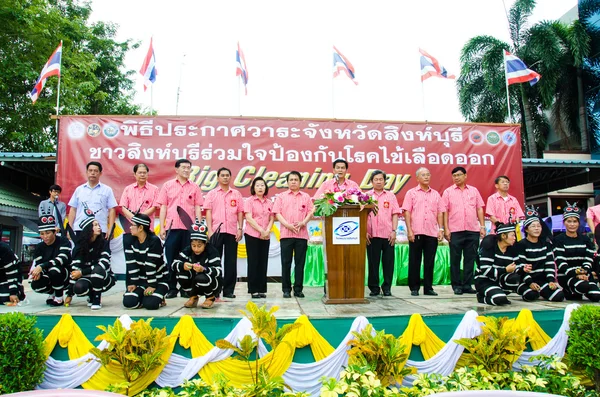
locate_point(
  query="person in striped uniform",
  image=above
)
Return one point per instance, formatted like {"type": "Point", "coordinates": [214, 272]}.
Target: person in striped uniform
{"type": "Point", "coordinates": [90, 274]}
{"type": "Point", "coordinates": [147, 278]}
{"type": "Point", "coordinates": [537, 259]}
{"type": "Point", "coordinates": [497, 272]}
{"type": "Point", "coordinates": [52, 258]}
{"type": "Point", "coordinates": [198, 268]}
{"type": "Point", "coordinates": [11, 288]}
{"type": "Point", "coordinates": [574, 255]}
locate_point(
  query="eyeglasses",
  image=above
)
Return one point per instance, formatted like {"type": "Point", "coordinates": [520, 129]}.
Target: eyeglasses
{"type": "Point", "coordinates": [458, 175]}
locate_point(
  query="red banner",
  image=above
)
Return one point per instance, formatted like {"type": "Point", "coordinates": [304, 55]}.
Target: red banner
{"type": "Point", "coordinates": [272, 147]}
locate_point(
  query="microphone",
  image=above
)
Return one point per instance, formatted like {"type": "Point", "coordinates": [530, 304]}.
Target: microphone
{"type": "Point", "coordinates": [337, 178]}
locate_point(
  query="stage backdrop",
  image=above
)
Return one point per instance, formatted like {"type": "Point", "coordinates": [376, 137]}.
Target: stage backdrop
{"type": "Point", "coordinates": [270, 147]}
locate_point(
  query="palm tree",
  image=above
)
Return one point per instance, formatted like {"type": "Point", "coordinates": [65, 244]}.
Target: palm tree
{"type": "Point", "coordinates": [553, 49]}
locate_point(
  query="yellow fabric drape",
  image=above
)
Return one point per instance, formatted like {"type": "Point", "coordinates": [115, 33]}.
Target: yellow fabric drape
{"type": "Point", "coordinates": [68, 334]}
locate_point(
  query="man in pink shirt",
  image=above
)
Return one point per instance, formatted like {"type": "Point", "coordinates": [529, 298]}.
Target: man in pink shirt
{"type": "Point", "coordinates": [423, 213]}
{"type": "Point", "coordinates": [293, 209]}
{"type": "Point", "coordinates": [178, 192]}
{"type": "Point", "coordinates": [140, 196]}
{"type": "Point", "coordinates": [225, 206]}
{"type": "Point", "coordinates": [381, 235]}
{"type": "Point", "coordinates": [463, 227]}
{"type": "Point", "coordinates": [339, 182]}
{"type": "Point", "coordinates": [501, 206]}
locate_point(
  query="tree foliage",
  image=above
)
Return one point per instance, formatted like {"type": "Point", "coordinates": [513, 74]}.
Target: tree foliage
{"type": "Point", "coordinates": [93, 78]}
{"type": "Point", "coordinates": [552, 48]}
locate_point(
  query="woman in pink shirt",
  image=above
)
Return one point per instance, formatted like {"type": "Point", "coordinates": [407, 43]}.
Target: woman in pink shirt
{"type": "Point", "coordinates": [257, 233]}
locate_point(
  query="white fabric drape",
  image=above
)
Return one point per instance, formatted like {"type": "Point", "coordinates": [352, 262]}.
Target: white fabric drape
{"type": "Point", "coordinates": [301, 377]}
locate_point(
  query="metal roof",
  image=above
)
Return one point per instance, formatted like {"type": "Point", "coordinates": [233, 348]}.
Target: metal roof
{"type": "Point", "coordinates": [533, 163]}
{"type": "Point", "coordinates": [12, 196]}
{"type": "Point", "coordinates": [23, 156]}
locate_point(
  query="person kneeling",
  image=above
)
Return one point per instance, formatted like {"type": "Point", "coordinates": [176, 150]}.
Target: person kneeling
{"type": "Point", "coordinates": [147, 273]}
{"type": "Point", "coordinates": [497, 271]}
{"type": "Point", "coordinates": [198, 268]}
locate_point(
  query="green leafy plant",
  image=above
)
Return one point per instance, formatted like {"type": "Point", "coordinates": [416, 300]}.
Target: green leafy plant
{"type": "Point", "coordinates": [382, 353]}
{"type": "Point", "coordinates": [136, 350]}
{"type": "Point", "coordinates": [584, 341]}
{"type": "Point", "coordinates": [264, 325]}
{"type": "Point", "coordinates": [20, 343]}
{"type": "Point", "coordinates": [357, 381]}
{"type": "Point", "coordinates": [497, 347]}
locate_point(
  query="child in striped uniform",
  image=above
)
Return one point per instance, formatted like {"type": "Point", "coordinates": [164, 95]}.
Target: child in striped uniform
{"type": "Point", "coordinates": [147, 273]}
{"type": "Point", "coordinates": [91, 274]}
{"type": "Point", "coordinates": [574, 255]}
{"type": "Point", "coordinates": [535, 255]}
{"type": "Point", "coordinates": [198, 268]}
{"type": "Point", "coordinates": [52, 263]}
{"type": "Point", "coordinates": [11, 288]}
{"type": "Point", "coordinates": [497, 272]}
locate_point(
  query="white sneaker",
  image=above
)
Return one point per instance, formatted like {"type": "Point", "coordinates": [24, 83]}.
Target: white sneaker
{"type": "Point", "coordinates": [96, 307]}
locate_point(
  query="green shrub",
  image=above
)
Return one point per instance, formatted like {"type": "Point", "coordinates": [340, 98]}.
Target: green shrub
{"type": "Point", "coordinates": [22, 357]}
{"type": "Point", "coordinates": [584, 341]}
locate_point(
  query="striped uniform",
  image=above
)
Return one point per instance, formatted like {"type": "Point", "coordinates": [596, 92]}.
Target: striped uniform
{"type": "Point", "coordinates": [10, 278]}
{"type": "Point", "coordinates": [572, 254]}
{"type": "Point", "coordinates": [492, 281]}
{"type": "Point", "coordinates": [207, 283]}
{"type": "Point", "coordinates": [96, 275]}
{"type": "Point", "coordinates": [146, 267]}
{"type": "Point", "coordinates": [543, 271]}
{"type": "Point", "coordinates": [55, 260]}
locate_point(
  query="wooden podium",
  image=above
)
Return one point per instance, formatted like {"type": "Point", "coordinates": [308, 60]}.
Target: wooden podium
{"type": "Point", "coordinates": [345, 262]}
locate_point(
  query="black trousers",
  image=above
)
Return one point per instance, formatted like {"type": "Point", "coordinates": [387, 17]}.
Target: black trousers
{"type": "Point", "coordinates": [177, 240]}
{"type": "Point", "coordinates": [258, 260]}
{"type": "Point", "coordinates": [422, 249]}
{"type": "Point", "coordinates": [378, 251]}
{"type": "Point", "coordinates": [226, 244]}
{"type": "Point", "coordinates": [465, 244]}
{"type": "Point", "coordinates": [296, 248]}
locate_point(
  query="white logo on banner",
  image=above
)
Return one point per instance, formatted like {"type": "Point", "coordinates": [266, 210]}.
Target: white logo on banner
{"type": "Point", "coordinates": [346, 230]}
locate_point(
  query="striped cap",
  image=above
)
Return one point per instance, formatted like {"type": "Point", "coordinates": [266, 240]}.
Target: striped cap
{"type": "Point", "coordinates": [88, 220]}
{"type": "Point", "coordinates": [199, 231]}
{"type": "Point", "coordinates": [47, 222]}
{"type": "Point", "coordinates": [571, 211]}
{"type": "Point", "coordinates": [141, 219]}
{"type": "Point", "coordinates": [506, 228]}
{"type": "Point", "coordinates": [531, 215]}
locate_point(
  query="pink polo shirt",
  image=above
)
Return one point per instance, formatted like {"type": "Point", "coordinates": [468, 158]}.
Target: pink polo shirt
{"type": "Point", "coordinates": [173, 194]}
{"type": "Point", "coordinates": [294, 207]}
{"type": "Point", "coordinates": [261, 211]}
{"type": "Point", "coordinates": [424, 207]}
{"type": "Point", "coordinates": [594, 213]}
{"type": "Point", "coordinates": [461, 206]}
{"type": "Point", "coordinates": [136, 198]}
{"type": "Point", "coordinates": [331, 185]}
{"type": "Point", "coordinates": [380, 225]}
{"type": "Point", "coordinates": [501, 208]}
{"type": "Point", "coordinates": [225, 206]}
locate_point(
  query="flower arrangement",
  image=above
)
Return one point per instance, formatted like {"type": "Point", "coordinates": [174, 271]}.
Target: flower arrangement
{"type": "Point", "coordinates": [331, 201]}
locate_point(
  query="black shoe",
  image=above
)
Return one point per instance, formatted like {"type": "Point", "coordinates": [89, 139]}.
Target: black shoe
{"type": "Point", "coordinates": [171, 294]}
{"type": "Point", "coordinates": [374, 293]}
{"type": "Point", "coordinates": [287, 295]}
{"type": "Point", "coordinates": [262, 295]}
{"type": "Point", "coordinates": [230, 296]}
{"type": "Point", "coordinates": [458, 291]}
{"type": "Point", "coordinates": [255, 296]}
{"type": "Point", "coordinates": [480, 299]}
{"type": "Point", "coordinates": [416, 293]}
{"type": "Point", "coordinates": [299, 294]}
{"type": "Point", "coordinates": [430, 293]}
{"type": "Point", "coordinates": [469, 291]}
{"type": "Point", "coordinates": [387, 293]}
{"type": "Point", "coordinates": [184, 294]}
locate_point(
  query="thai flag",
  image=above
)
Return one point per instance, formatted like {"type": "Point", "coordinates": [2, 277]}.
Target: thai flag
{"type": "Point", "coordinates": [430, 67]}
{"type": "Point", "coordinates": [342, 64]}
{"type": "Point", "coordinates": [148, 69]}
{"type": "Point", "coordinates": [517, 71]}
{"type": "Point", "coordinates": [51, 68]}
{"type": "Point", "coordinates": [241, 69]}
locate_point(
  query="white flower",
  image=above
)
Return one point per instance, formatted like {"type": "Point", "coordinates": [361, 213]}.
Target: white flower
{"type": "Point", "coordinates": [338, 197]}
{"type": "Point", "coordinates": [354, 198]}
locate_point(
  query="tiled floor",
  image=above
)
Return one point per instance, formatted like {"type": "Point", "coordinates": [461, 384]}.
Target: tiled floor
{"type": "Point", "coordinates": [401, 303]}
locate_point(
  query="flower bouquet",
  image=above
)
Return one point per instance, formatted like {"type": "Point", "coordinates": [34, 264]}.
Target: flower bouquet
{"type": "Point", "coordinates": [331, 201]}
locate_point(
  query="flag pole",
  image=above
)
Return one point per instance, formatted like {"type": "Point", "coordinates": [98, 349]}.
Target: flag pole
{"type": "Point", "coordinates": [506, 81]}
{"type": "Point", "coordinates": [58, 90]}
{"type": "Point", "coordinates": [239, 94]}
{"type": "Point", "coordinates": [152, 100]}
